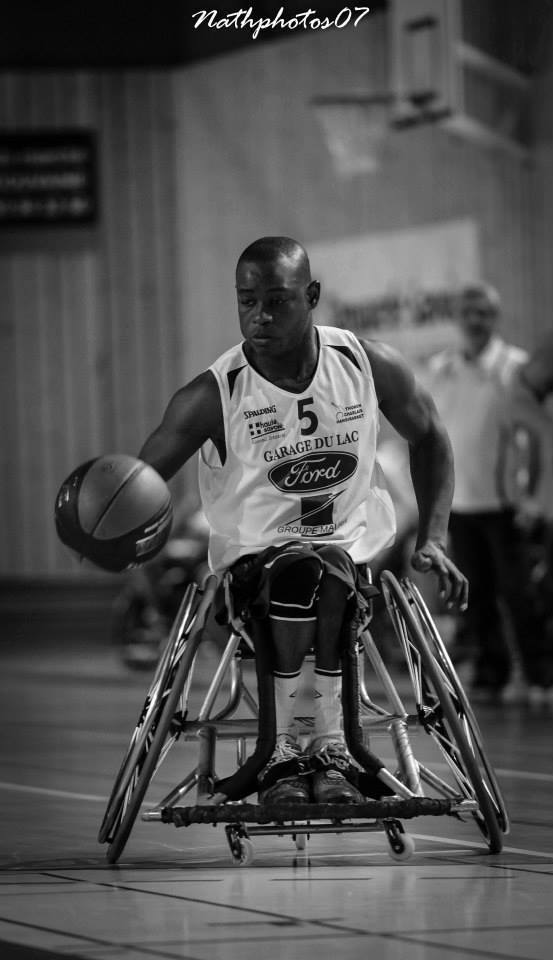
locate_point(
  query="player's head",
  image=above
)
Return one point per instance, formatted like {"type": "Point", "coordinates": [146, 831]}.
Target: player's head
{"type": "Point", "coordinates": [480, 308]}
{"type": "Point", "coordinates": [276, 294]}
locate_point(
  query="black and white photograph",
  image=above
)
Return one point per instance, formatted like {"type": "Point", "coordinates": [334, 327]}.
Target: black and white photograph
{"type": "Point", "coordinates": [276, 562]}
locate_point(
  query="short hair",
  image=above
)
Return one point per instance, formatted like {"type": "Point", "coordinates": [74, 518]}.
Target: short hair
{"type": "Point", "coordinates": [267, 249]}
{"type": "Point", "coordinates": [481, 292]}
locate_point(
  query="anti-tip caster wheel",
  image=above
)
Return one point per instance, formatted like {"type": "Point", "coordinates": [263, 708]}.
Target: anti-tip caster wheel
{"type": "Point", "coordinates": [241, 847]}
{"type": "Point", "coordinates": [403, 848]}
{"type": "Point", "coordinates": [402, 845]}
{"type": "Point", "coordinates": [246, 852]}
{"type": "Point", "coordinates": [301, 841]}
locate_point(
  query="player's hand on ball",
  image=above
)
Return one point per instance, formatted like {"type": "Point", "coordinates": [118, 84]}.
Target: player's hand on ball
{"type": "Point", "coordinates": [115, 511]}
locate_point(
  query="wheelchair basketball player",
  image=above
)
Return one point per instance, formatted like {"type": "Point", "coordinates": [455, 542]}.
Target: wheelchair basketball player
{"type": "Point", "coordinates": [286, 425]}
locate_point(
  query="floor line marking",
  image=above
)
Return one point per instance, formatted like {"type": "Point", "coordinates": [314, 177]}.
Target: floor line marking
{"type": "Point", "coordinates": [66, 794]}
{"type": "Point", "coordinates": [481, 846]}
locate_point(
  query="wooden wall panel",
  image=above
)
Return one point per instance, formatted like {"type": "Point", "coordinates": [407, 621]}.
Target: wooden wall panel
{"type": "Point", "coordinates": [91, 341]}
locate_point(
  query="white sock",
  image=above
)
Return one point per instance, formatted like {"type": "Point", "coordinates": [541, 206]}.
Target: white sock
{"type": "Point", "coordinates": [286, 688]}
{"type": "Point", "coordinates": [327, 706]}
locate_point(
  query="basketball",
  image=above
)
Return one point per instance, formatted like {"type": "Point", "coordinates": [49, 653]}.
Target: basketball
{"type": "Point", "coordinates": [115, 511]}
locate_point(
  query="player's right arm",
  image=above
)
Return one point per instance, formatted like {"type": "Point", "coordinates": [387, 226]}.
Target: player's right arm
{"type": "Point", "coordinates": [194, 415]}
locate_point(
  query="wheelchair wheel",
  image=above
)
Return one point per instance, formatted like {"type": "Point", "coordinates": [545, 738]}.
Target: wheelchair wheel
{"type": "Point", "coordinates": [159, 724]}
{"type": "Point", "coordinates": [444, 710]}
{"type": "Point", "coordinates": [457, 692]}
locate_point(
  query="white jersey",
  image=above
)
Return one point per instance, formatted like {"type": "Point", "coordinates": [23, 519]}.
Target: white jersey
{"type": "Point", "coordinates": [299, 466]}
{"type": "Point", "coordinates": [473, 398]}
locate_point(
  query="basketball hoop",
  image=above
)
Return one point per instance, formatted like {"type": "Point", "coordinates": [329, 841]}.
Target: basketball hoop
{"type": "Point", "coordinates": [355, 127]}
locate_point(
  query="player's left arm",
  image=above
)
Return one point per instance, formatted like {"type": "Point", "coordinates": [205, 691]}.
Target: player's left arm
{"type": "Point", "coordinates": [410, 409]}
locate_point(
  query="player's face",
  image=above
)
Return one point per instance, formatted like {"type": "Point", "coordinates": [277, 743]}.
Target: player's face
{"type": "Point", "coordinates": [273, 306]}
{"type": "Point", "coordinates": [478, 321]}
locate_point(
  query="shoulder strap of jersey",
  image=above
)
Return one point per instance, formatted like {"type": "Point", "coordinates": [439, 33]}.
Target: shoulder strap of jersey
{"type": "Point", "coordinates": [227, 369]}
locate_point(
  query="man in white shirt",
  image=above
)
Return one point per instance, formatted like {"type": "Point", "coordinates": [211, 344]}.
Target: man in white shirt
{"type": "Point", "coordinates": [474, 388]}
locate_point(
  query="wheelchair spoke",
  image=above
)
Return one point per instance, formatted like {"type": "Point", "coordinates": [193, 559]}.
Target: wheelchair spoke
{"type": "Point", "coordinates": [161, 720]}
{"type": "Point", "coordinates": [441, 787]}
{"type": "Point", "coordinates": [443, 708]}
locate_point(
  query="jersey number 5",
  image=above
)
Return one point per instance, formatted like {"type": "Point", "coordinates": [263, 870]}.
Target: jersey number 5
{"type": "Point", "coordinates": [303, 414]}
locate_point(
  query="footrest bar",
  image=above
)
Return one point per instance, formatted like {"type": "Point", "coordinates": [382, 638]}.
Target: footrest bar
{"type": "Point", "coordinates": [281, 813]}
{"type": "Point", "coordinates": [464, 806]}
{"type": "Point", "coordinates": [152, 815]}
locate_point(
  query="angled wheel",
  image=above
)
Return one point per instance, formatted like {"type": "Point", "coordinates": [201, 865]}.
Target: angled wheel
{"type": "Point", "coordinates": [466, 714]}
{"type": "Point", "coordinates": [444, 710]}
{"type": "Point", "coordinates": [160, 721]}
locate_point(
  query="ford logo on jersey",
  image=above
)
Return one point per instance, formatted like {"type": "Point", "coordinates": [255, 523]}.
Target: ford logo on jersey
{"type": "Point", "coordinates": [313, 471]}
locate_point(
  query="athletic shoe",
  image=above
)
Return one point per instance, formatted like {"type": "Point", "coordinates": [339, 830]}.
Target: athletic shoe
{"type": "Point", "coordinates": [332, 764]}
{"type": "Point", "coordinates": [290, 790]}
{"type": "Point", "coordinates": [283, 779]}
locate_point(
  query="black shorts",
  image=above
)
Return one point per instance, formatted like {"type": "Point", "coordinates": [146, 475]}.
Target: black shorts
{"type": "Point", "coordinates": [292, 576]}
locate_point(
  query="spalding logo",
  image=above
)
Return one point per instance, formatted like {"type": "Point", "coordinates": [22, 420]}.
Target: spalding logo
{"type": "Point", "coordinates": [313, 472]}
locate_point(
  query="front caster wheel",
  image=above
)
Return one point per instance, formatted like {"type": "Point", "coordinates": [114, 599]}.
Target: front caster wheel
{"type": "Point", "coordinates": [245, 852]}
{"type": "Point", "coordinates": [241, 847]}
{"type": "Point", "coordinates": [301, 841]}
{"type": "Point", "coordinates": [404, 850]}
{"type": "Point", "coordinates": [402, 845]}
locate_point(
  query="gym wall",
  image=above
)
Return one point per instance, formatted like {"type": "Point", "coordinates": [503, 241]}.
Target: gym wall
{"type": "Point", "coordinates": [91, 342]}
{"type": "Point", "coordinates": [541, 254]}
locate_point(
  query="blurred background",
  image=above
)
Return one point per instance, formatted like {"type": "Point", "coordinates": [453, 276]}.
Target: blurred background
{"type": "Point", "coordinates": [409, 147]}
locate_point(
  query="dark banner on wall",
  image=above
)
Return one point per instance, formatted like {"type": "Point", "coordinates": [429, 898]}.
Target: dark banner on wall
{"type": "Point", "coordinates": [48, 178]}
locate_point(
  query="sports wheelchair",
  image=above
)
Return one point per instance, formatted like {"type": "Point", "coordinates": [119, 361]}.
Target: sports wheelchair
{"type": "Point", "coordinates": [434, 704]}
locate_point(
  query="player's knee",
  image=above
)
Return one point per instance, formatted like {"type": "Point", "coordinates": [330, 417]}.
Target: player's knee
{"type": "Point", "coordinates": [335, 554]}
{"type": "Point", "coordinates": [295, 591]}
{"type": "Point", "coordinates": [340, 573]}
{"type": "Point", "coordinates": [338, 563]}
